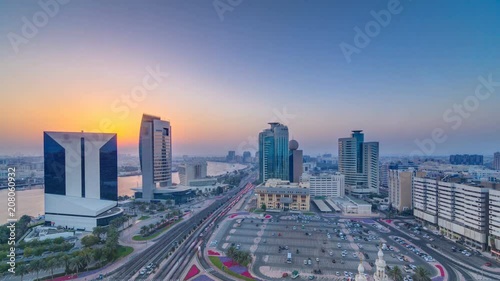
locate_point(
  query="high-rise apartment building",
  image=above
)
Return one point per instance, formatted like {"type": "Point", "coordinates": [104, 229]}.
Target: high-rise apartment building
{"type": "Point", "coordinates": [231, 156]}
{"type": "Point", "coordinates": [384, 174]}
{"type": "Point", "coordinates": [466, 159]}
{"type": "Point", "coordinates": [458, 210]}
{"type": "Point", "coordinates": [247, 157]}
{"type": "Point", "coordinates": [494, 227]}
{"type": "Point", "coordinates": [359, 162]}
{"type": "Point", "coordinates": [496, 161]}
{"type": "Point", "coordinates": [155, 154]}
{"type": "Point", "coordinates": [295, 161]}
{"type": "Point", "coordinates": [401, 188]}
{"type": "Point", "coordinates": [81, 179]}
{"type": "Point", "coordinates": [273, 153]}
{"type": "Point", "coordinates": [189, 172]}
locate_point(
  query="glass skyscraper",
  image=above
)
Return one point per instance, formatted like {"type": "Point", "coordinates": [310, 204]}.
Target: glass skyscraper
{"type": "Point", "coordinates": [359, 162]}
{"type": "Point", "coordinates": [273, 153]}
{"type": "Point", "coordinates": [81, 179]}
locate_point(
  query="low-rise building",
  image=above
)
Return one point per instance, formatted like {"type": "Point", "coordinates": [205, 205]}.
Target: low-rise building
{"type": "Point", "coordinates": [282, 195]}
{"type": "Point", "coordinates": [328, 185]}
{"type": "Point", "coordinates": [353, 206]}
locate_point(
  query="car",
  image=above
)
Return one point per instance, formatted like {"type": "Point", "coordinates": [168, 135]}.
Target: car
{"type": "Point", "coordinates": [142, 272]}
{"type": "Point", "coordinates": [311, 277]}
{"type": "Point", "coordinates": [309, 262]}
{"type": "Point", "coordinates": [150, 265]}
{"type": "Point", "coordinates": [337, 273]}
{"type": "Point", "coordinates": [331, 253]}
{"type": "Point", "coordinates": [305, 262]}
{"type": "Point", "coordinates": [488, 264]}
{"type": "Point", "coordinates": [317, 259]}
{"type": "Point", "coordinates": [334, 261]}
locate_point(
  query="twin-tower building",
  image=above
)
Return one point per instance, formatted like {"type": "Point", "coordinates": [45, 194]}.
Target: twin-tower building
{"type": "Point", "coordinates": [81, 173]}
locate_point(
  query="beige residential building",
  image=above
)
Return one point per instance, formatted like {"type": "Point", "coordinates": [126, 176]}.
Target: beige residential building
{"type": "Point", "coordinates": [281, 195]}
{"type": "Point", "coordinates": [401, 188]}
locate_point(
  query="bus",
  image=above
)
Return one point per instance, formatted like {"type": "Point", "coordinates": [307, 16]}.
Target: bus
{"type": "Point", "coordinates": [289, 258]}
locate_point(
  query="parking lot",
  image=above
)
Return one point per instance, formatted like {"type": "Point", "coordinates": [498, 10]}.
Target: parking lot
{"type": "Point", "coordinates": [331, 245]}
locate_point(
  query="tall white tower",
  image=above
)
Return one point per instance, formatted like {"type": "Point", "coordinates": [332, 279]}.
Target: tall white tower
{"type": "Point", "coordinates": [155, 154]}
{"type": "Point", "coordinates": [380, 268]}
{"type": "Point", "coordinates": [361, 273]}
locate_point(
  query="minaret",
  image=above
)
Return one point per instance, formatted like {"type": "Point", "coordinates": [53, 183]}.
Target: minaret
{"type": "Point", "coordinates": [361, 273]}
{"type": "Point", "coordinates": [380, 267]}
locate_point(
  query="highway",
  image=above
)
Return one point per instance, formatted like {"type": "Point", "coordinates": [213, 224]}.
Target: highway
{"type": "Point", "coordinates": [159, 251]}
{"type": "Point", "coordinates": [182, 257]}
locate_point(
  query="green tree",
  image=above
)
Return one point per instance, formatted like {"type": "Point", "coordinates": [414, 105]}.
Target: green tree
{"type": "Point", "coordinates": [144, 230]}
{"type": "Point", "coordinates": [263, 206]}
{"type": "Point", "coordinates": [98, 231]}
{"type": "Point", "coordinates": [86, 257]}
{"type": "Point", "coordinates": [65, 259]}
{"type": "Point", "coordinates": [22, 270]}
{"type": "Point", "coordinates": [396, 274]}
{"type": "Point", "coordinates": [75, 264]}
{"type": "Point", "coordinates": [421, 274]}
{"type": "Point", "coordinates": [90, 240]}
{"type": "Point", "coordinates": [98, 256]}
{"type": "Point", "coordinates": [50, 265]}
{"type": "Point", "coordinates": [36, 266]}
{"type": "Point", "coordinates": [28, 252]}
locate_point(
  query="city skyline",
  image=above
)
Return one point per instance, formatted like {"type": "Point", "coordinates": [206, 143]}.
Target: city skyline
{"type": "Point", "coordinates": [268, 67]}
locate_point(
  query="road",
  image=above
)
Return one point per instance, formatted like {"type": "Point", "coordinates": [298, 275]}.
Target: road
{"type": "Point", "coordinates": [450, 264]}
{"type": "Point", "coordinates": [182, 257]}
{"type": "Point", "coordinates": [176, 264]}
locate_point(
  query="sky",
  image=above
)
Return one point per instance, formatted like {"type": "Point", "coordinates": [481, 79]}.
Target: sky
{"type": "Point", "coordinates": [426, 80]}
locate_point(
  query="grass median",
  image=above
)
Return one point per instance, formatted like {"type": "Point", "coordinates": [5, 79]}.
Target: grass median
{"type": "Point", "coordinates": [124, 251]}
{"type": "Point", "coordinates": [155, 234]}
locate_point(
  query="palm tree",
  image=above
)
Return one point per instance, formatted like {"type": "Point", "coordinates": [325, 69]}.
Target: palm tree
{"type": "Point", "coordinates": [75, 264]}
{"type": "Point", "coordinates": [98, 231]}
{"type": "Point", "coordinates": [50, 265]}
{"type": "Point", "coordinates": [421, 274]}
{"type": "Point", "coordinates": [36, 266]}
{"type": "Point", "coordinates": [66, 260]}
{"type": "Point", "coordinates": [396, 274]}
{"type": "Point", "coordinates": [98, 256]}
{"type": "Point", "coordinates": [144, 229]}
{"type": "Point", "coordinates": [86, 256]}
{"type": "Point", "coordinates": [231, 252]}
{"type": "Point", "coordinates": [22, 270]}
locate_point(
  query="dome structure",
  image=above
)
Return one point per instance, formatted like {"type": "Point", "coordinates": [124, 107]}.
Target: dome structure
{"type": "Point", "coordinates": [361, 273]}
{"type": "Point", "coordinates": [293, 145]}
{"type": "Point", "coordinates": [361, 268]}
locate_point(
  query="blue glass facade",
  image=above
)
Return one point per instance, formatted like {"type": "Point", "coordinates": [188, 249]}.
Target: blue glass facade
{"type": "Point", "coordinates": [108, 159]}
{"type": "Point", "coordinates": [273, 153]}
{"type": "Point", "coordinates": [54, 166]}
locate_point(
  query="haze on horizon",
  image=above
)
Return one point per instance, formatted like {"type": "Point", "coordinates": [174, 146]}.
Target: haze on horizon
{"type": "Point", "coordinates": [265, 61]}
